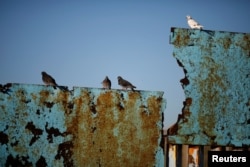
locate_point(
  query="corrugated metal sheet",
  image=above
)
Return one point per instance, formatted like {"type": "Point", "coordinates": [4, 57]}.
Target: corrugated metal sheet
{"type": "Point", "coordinates": [216, 85]}
{"type": "Point", "coordinates": [42, 126]}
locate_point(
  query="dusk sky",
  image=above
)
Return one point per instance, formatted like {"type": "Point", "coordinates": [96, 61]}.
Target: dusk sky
{"type": "Point", "coordinates": [80, 42]}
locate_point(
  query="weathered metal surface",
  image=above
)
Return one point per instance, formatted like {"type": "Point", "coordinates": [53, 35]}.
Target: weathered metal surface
{"type": "Point", "coordinates": [216, 85]}
{"type": "Point", "coordinates": [42, 126]}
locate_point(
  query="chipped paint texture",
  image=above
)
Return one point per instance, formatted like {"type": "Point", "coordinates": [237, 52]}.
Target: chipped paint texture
{"type": "Point", "coordinates": [43, 126]}
{"type": "Point", "coordinates": [216, 85]}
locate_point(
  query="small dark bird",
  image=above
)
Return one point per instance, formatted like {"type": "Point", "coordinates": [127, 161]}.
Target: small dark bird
{"type": "Point", "coordinates": [48, 80]}
{"type": "Point", "coordinates": [125, 84]}
{"type": "Point", "coordinates": [106, 83]}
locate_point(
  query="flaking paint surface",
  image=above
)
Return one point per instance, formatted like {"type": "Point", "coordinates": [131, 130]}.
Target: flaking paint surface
{"type": "Point", "coordinates": [118, 131]}
{"type": "Point", "coordinates": [216, 65]}
{"type": "Point", "coordinates": [43, 126]}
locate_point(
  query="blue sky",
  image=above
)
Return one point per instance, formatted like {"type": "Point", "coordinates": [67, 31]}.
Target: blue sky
{"type": "Point", "coordinates": [81, 42]}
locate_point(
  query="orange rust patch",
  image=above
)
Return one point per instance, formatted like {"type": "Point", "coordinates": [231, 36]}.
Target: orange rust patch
{"type": "Point", "coordinates": [21, 95]}
{"type": "Point", "coordinates": [246, 39]}
{"type": "Point", "coordinates": [193, 155]}
{"type": "Point", "coordinates": [80, 126]}
{"type": "Point", "coordinates": [44, 95]}
{"type": "Point", "coordinates": [132, 99]}
{"type": "Point", "coordinates": [34, 97]}
{"type": "Point", "coordinates": [182, 39]}
{"type": "Point", "coordinates": [63, 98]}
{"type": "Point", "coordinates": [110, 136]}
{"type": "Point", "coordinates": [105, 100]}
{"type": "Point", "coordinates": [154, 114]}
{"type": "Point", "coordinates": [227, 42]}
{"type": "Point", "coordinates": [188, 101]}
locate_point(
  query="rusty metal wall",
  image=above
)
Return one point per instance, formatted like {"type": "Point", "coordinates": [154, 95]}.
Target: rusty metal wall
{"type": "Point", "coordinates": [216, 65]}
{"type": "Point", "coordinates": [43, 126]}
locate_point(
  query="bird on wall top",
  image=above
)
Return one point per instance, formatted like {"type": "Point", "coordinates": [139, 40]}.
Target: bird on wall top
{"type": "Point", "coordinates": [106, 83]}
{"type": "Point", "coordinates": [193, 24]}
{"type": "Point", "coordinates": [125, 84]}
{"type": "Point", "coordinates": [49, 80]}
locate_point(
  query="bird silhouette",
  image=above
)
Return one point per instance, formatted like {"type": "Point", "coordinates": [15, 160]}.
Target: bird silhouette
{"type": "Point", "coordinates": [106, 83]}
{"type": "Point", "coordinates": [49, 80]}
{"type": "Point", "coordinates": [125, 84]}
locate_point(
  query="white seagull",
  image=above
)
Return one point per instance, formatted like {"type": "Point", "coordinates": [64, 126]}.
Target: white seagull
{"type": "Point", "coordinates": [193, 24]}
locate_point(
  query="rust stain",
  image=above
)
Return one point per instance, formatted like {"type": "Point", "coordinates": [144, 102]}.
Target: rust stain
{"type": "Point", "coordinates": [120, 102]}
{"type": "Point", "coordinates": [97, 128]}
{"type": "Point", "coordinates": [246, 44]}
{"type": "Point", "coordinates": [48, 104]}
{"type": "Point", "coordinates": [63, 98]}
{"type": "Point", "coordinates": [216, 84]}
{"type": "Point", "coordinates": [193, 155]}
{"type": "Point", "coordinates": [34, 96]}
{"type": "Point", "coordinates": [227, 42]}
{"type": "Point", "coordinates": [188, 101]}
{"type": "Point", "coordinates": [105, 99]}
{"type": "Point", "coordinates": [210, 96]}
{"type": "Point", "coordinates": [151, 120]}
{"type": "Point", "coordinates": [107, 130]}
{"type": "Point", "coordinates": [76, 126]}
{"type": "Point", "coordinates": [22, 94]}
{"type": "Point", "coordinates": [181, 39]}
{"type": "Point", "coordinates": [44, 96]}
{"type": "Point", "coordinates": [208, 87]}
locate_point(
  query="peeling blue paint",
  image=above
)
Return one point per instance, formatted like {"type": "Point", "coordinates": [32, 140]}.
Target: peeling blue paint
{"type": "Point", "coordinates": [216, 85]}
{"type": "Point", "coordinates": [44, 126]}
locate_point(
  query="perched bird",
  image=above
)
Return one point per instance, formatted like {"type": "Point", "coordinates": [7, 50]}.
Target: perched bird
{"type": "Point", "coordinates": [106, 83]}
{"type": "Point", "coordinates": [49, 80]}
{"type": "Point", "coordinates": [193, 24]}
{"type": "Point", "coordinates": [125, 84]}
